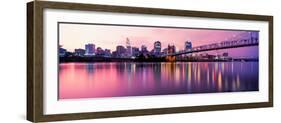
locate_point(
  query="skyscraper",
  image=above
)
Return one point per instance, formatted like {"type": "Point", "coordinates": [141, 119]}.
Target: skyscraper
{"type": "Point", "coordinates": [135, 51]}
{"type": "Point", "coordinates": [120, 51]}
{"type": "Point", "coordinates": [62, 52]}
{"type": "Point", "coordinates": [157, 48]}
{"type": "Point", "coordinates": [89, 49]}
{"type": "Point", "coordinates": [144, 50]}
{"type": "Point", "coordinates": [129, 48]}
{"type": "Point", "coordinates": [187, 45]}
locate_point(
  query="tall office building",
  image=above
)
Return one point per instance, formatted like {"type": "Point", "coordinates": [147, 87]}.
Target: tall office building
{"type": "Point", "coordinates": [144, 48]}
{"type": "Point", "coordinates": [157, 48]}
{"type": "Point", "coordinates": [135, 51]}
{"type": "Point", "coordinates": [62, 52]}
{"type": "Point", "coordinates": [120, 51]}
{"type": "Point", "coordinates": [89, 49]}
{"type": "Point", "coordinates": [129, 48]}
{"type": "Point", "coordinates": [187, 45]}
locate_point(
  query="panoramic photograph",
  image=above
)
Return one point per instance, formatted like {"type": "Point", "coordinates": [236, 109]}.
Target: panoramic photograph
{"type": "Point", "coordinates": [108, 60]}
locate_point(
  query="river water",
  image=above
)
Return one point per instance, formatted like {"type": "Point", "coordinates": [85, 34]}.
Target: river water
{"type": "Point", "coordinates": [117, 79]}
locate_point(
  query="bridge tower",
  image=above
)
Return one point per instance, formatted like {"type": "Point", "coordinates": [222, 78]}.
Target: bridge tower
{"type": "Point", "coordinates": [171, 49]}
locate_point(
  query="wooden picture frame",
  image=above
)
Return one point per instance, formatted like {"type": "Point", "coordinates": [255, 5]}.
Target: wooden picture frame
{"type": "Point", "coordinates": [35, 62]}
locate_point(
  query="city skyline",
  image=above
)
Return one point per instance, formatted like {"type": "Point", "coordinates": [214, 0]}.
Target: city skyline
{"type": "Point", "coordinates": [75, 36]}
{"type": "Point", "coordinates": [100, 61]}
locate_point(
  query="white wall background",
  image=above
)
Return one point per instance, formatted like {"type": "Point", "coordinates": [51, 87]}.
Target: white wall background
{"type": "Point", "coordinates": [13, 61]}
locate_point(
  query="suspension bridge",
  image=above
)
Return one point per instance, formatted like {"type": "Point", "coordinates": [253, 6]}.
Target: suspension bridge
{"type": "Point", "coordinates": [245, 42]}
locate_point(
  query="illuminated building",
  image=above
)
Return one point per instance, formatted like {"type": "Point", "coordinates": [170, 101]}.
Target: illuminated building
{"type": "Point", "coordinates": [187, 45]}
{"type": "Point", "coordinates": [89, 49]}
{"type": "Point", "coordinates": [157, 48]}
{"type": "Point", "coordinates": [79, 52]}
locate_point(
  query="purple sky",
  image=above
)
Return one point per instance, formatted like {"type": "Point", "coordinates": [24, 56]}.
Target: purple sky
{"type": "Point", "coordinates": [73, 36]}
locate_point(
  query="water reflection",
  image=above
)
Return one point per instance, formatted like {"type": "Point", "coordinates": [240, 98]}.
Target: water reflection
{"type": "Point", "coordinates": [90, 80]}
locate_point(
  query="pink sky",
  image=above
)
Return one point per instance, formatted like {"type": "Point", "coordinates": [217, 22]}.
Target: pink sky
{"type": "Point", "coordinates": [73, 36]}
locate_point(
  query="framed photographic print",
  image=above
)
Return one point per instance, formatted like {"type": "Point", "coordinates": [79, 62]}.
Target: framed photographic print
{"type": "Point", "coordinates": [95, 61]}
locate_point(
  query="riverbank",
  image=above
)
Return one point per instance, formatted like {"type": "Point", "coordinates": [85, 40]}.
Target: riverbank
{"type": "Point", "coordinates": [104, 59]}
